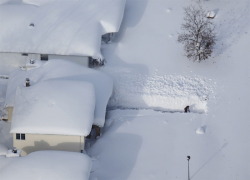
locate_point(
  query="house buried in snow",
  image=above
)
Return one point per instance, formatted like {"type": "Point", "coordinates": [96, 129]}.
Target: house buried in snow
{"type": "Point", "coordinates": [53, 115]}
{"type": "Point", "coordinates": [59, 107]}
{"type": "Point", "coordinates": [58, 29]}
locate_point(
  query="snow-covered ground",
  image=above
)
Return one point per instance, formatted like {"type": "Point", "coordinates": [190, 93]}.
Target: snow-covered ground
{"type": "Point", "coordinates": [152, 145]}
{"type": "Point", "coordinates": [150, 72]}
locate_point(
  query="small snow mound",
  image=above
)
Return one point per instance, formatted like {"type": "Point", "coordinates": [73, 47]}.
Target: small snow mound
{"type": "Point", "coordinates": [11, 153]}
{"type": "Point", "coordinates": [168, 10]}
{"type": "Point", "coordinates": [211, 14]}
{"type": "Point", "coordinates": [201, 130]}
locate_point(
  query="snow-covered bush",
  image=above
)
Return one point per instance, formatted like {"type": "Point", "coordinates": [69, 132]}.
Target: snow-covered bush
{"type": "Point", "coordinates": [198, 34]}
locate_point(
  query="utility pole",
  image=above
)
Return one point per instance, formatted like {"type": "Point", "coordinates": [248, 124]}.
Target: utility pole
{"type": "Point", "coordinates": [188, 158]}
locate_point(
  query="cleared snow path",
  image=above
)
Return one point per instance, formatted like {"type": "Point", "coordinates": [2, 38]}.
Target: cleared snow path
{"type": "Point", "coordinates": [167, 93]}
{"type": "Point", "coordinates": [156, 110]}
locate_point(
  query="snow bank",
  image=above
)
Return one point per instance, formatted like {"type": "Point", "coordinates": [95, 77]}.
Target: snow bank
{"type": "Point", "coordinates": [103, 84]}
{"type": "Point", "coordinates": [165, 92]}
{"type": "Point", "coordinates": [54, 107]}
{"type": "Point", "coordinates": [59, 26]}
{"type": "Point", "coordinates": [49, 165]}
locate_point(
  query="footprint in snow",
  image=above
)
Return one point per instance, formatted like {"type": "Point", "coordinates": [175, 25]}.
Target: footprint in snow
{"type": "Point", "coordinates": [201, 130]}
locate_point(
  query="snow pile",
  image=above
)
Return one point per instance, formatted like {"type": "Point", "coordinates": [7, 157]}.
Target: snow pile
{"type": "Point", "coordinates": [49, 165]}
{"type": "Point", "coordinates": [211, 14]}
{"type": "Point", "coordinates": [62, 69]}
{"type": "Point", "coordinates": [11, 153]}
{"type": "Point", "coordinates": [59, 26]}
{"type": "Point", "coordinates": [54, 107]}
{"type": "Point", "coordinates": [165, 92]}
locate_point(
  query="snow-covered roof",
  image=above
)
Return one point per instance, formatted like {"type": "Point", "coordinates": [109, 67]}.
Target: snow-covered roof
{"type": "Point", "coordinates": [54, 106]}
{"type": "Point", "coordinates": [60, 27]}
{"type": "Point", "coordinates": [49, 165]}
{"type": "Point", "coordinates": [67, 70]}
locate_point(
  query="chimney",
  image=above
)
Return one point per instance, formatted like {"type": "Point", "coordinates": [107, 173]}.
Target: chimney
{"type": "Point", "coordinates": [27, 82]}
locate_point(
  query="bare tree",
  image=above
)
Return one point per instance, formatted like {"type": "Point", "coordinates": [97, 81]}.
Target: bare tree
{"type": "Point", "coordinates": [198, 34]}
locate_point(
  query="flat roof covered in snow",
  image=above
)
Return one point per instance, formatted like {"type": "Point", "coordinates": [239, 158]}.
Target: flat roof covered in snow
{"type": "Point", "coordinates": [58, 26]}
{"type": "Point", "coordinates": [54, 106]}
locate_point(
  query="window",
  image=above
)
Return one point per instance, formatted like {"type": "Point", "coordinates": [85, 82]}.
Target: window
{"type": "Point", "coordinates": [44, 57]}
{"type": "Point", "coordinates": [20, 136]}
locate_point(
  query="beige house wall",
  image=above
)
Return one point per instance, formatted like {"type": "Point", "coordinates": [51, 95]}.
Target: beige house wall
{"type": "Point", "coordinates": [9, 111]}
{"type": "Point", "coordinates": [37, 142]}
